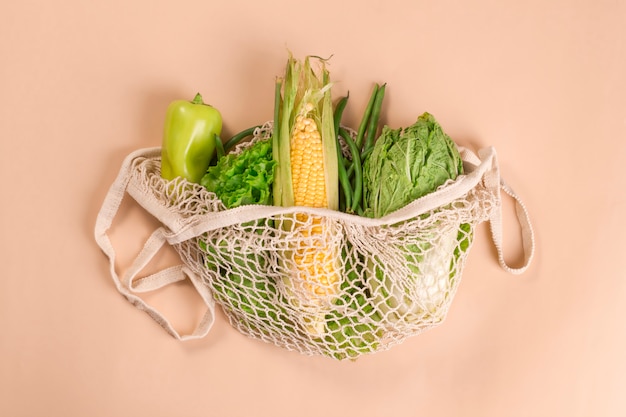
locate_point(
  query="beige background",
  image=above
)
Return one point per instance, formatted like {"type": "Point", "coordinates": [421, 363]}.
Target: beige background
{"type": "Point", "coordinates": [84, 83]}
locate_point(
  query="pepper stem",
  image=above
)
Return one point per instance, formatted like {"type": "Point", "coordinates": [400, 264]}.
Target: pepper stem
{"type": "Point", "coordinates": [197, 99]}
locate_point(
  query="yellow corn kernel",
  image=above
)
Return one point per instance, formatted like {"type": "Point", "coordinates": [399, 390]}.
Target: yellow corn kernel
{"type": "Point", "coordinates": [315, 262]}
{"type": "Point", "coordinates": [307, 164]}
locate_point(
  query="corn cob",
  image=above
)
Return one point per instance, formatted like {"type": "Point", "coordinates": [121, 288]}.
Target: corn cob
{"type": "Point", "coordinates": [309, 185]}
{"type": "Point", "coordinates": [305, 146]}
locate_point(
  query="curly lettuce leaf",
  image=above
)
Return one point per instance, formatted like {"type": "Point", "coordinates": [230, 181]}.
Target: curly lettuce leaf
{"type": "Point", "coordinates": [240, 179]}
{"type": "Point", "coordinates": [245, 178]}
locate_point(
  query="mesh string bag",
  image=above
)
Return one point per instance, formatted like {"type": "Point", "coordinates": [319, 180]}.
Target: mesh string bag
{"type": "Point", "coordinates": [382, 280]}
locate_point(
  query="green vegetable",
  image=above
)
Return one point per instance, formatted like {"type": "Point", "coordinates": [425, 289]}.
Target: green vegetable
{"type": "Point", "coordinates": [350, 167]}
{"type": "Point", "coordinates": [367, 117]}
{"type": "Point", "coordinates": [345, 193]}
{"type": "Point", "coordinates": [253, 300]}
{"type": "Point", "coordinates": [406, 164]}
{"type": "Point", "coordinates": [245, 178]}
{"type": "Point", "coordinates": [239, 137]}
{"type": "Point", "coordinates": [374, 118]}
{"type": "Point", "coordinates": [358, 172]}
{"type": "Point", "coordinates": [240, 179]}
{"type": "Point", "coordinates": [189, 139]}
{"type": "Point", "coordinates": [353, 328]}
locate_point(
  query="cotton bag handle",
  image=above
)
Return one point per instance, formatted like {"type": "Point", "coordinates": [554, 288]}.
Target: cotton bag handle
{"type": "Point", "coordinates": [494, 181]}
{"type": "Point", "coordinates": [130, 284]}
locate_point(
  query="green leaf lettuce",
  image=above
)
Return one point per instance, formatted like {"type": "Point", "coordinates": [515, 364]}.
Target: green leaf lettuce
{"type": "Point", "coordinates": [245, 178]}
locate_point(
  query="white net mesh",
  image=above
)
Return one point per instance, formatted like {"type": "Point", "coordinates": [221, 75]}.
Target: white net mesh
{"type": "Point", "coordinates": [321, 283]}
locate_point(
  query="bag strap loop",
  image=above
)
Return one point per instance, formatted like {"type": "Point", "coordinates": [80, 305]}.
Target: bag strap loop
{"type": "Point", "coordinates": [494, 181]}
{"type": "Point", "coordinates": [528, 235]}
{"type": "Point", "coordinates": [130, 284]}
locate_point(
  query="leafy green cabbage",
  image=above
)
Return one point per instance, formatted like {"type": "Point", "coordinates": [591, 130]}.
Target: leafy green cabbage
{"type": "Point", "coordinates": [406, 164]}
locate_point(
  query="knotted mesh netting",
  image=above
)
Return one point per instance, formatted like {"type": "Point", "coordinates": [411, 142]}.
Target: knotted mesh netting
{"type": "Point", "coordinates": [318, 281]}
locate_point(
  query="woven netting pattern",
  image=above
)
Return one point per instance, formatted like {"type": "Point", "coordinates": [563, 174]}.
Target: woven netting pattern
{"type": "Point", "coordinates": [322, 284]}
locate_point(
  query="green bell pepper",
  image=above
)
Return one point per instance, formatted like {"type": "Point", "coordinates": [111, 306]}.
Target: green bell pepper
{"type": "Point", "coordinates": [189, 137]}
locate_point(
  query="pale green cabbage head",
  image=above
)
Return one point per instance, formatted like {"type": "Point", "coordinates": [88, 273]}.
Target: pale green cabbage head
{"type": "Point", "coordinates": [406, 164]}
